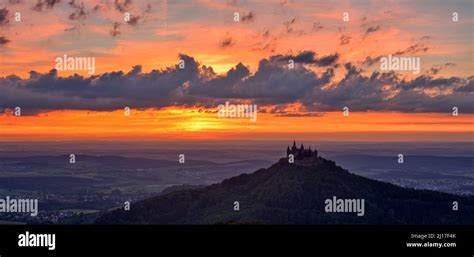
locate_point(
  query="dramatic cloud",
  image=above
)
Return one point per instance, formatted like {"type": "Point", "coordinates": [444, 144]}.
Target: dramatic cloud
{"type": "Point", "coordinates": [309, 57]}
{"type": "Point", "coordinates": [133, 20]}
{"type": "Point", "coordinates": [248, 17]}
{"type": "Point", "coordinates": [299, 115]}
{"type": "Point", "coordinates": [468, 88]}
{"type": "Point", "coordinates": [425, 82]}
{"type": "Point", "coordinates": [327, 60]}
{"type": "Point", "coordinates": [115, 30]}
{"type": "Point", "coordinates": [228, 42]}
{"type": "Point", "coordinates": [369, 60]}
{"type": "Point", "coordinates": [122, 6]}
{"type": "Point", "coordinates": [344, 39]}
{"type": "Point", "coordinates": [45, 4]}
{"type": "Point", "coordinates": [273, 83]}
{"type": "Point", "coordinates": [79, 12]}
{"type": "Point", "coordinates": [413, 49]}
{"type": "Point", "coordinates": [437, 68]}
{"type": "Point", "coordinates": [3, 16]}
{"type": "Point", "coordinates": [3, 40]}
{"type": "Point", "coordinates": [371, 30]}
{"type": "Point", "coordinates": [386, 92]}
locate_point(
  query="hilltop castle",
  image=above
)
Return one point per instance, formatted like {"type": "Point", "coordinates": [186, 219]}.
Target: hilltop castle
{"type": "Point", "coordinates": [301, 152]}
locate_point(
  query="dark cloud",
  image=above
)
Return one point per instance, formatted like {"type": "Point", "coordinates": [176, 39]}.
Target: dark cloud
{"type": "Point", "coordinates": [107, 91]}
{"type": "Point", "coordinates": [4, 40]}
{"type": "Point", "coordinates": [271, 84]}
{"type": "Point", "coordinates": [371, 30]}
{"type": "Point", "coordinates": [221, 86]}
{"type": "Point", "coordinates": [437, 68]}
{"type": "Point", "coordinates": [137, 69]}
{"type": "Point", "coordinates": [133, 20]}
{"type": "Point", "coordinates": [344, 39]}
{"type": "Point", "coordinates": [45, 4]}
{"type": "Point", "coordinates": [122, 6]}
{"type": "Point", "coordinates": [194, 85]}
{"type": "Point", "coordinates": [413, 101]}
{"type": "Point", "coordinates": [274, 83]}
{"type": "Point", "coordinates": [369, 60]}
{"type": "Point", "coordinates": [299, 115]}
{"type": "Point", "coordinates": [386, 92]}
{"type": "Point", "coordinates": [467, 88]}
{"type": "Point", "coordinates": [328, 60]}
{"type": "Point", "coordinates": [228, 42]}
{"type": "Point", "coordinates": [79, 11]}
{"type": "Point", "coordinates": [3, 16]}
{"type": "Point", "coordinates": [309, 57]}
{"type": "Point", "coordinates": [115, 30]}
{"type": "Point", "coordinates": [248, 17]}
{"type": "Point", "coordinates": [426, 82]}
{"type": "Point", "coordinates": [413, 49]}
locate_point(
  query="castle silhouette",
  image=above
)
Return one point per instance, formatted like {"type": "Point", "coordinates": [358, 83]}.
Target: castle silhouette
{"type": "Point", "coordinates": [301, 152]}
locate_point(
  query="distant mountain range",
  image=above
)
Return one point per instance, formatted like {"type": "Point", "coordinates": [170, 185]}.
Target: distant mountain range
{"type": "Point", "coordinates": [297, 193]}
{"type": "Point", "coordinates": [418, 163]}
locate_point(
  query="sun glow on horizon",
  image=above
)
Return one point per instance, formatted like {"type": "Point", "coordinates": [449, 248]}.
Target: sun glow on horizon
{"type": "Point", "coordinates": [203, 124]}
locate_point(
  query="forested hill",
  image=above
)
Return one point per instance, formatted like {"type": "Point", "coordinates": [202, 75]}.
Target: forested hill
{"type": "Point", "coordinates": [296, 193]}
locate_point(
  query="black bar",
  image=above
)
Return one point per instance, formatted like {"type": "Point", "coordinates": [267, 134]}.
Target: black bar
{"type": "Point", "coordinates": [238, 240]}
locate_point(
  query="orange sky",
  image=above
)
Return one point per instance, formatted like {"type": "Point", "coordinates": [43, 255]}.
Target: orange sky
{"type": "Point", "coordinates": [198, 29]}
{"type": "Point", "coordinates": [189, 124]}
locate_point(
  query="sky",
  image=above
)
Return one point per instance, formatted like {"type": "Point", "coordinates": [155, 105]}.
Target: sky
{"type": "Point", "coordinates": [174, 62]}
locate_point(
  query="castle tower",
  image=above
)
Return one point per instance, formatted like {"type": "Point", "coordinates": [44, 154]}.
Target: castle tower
{"type": "Point", "coordinates": [301, 152]}
{"type": "Point", "coordinates": [293, 149]}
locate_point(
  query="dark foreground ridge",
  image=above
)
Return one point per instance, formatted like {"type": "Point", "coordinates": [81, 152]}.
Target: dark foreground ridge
{"type": "Point", "coordinates": [295, 193]}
